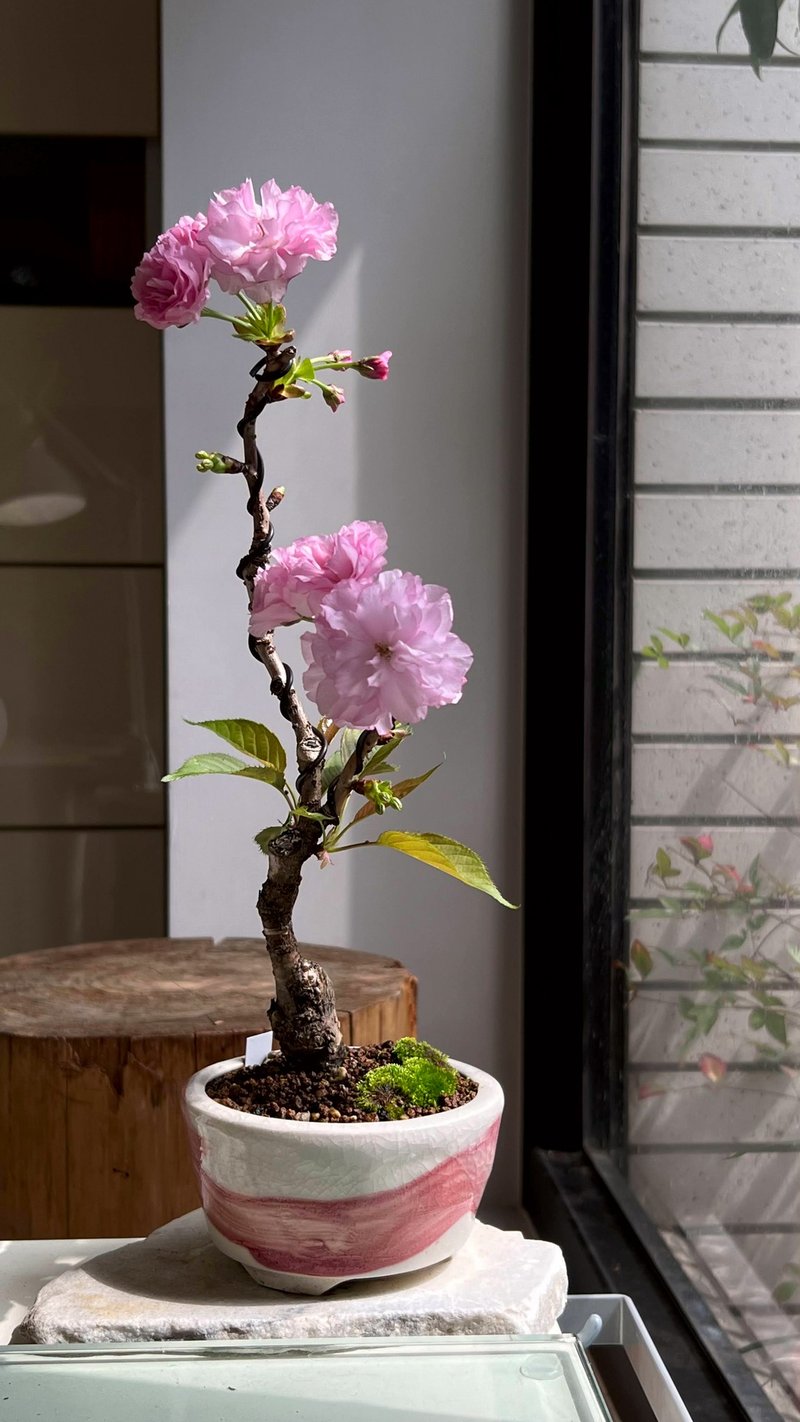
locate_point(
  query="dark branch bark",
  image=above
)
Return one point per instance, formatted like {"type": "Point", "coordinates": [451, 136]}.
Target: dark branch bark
{"type": "Point", "coordinates": [303, 1012]}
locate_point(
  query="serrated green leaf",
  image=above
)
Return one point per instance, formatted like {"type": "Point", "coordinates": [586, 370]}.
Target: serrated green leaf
{"type": "Point", "coordinates": [217, 763]}
{"type": "Point", "coordinates": [401, 789]}
{"type": "Point", "coordinates": [250, 737]}
{"type": "Point", "coordinates": [447, 855]}
{"type": "Point", "coordinates": [265, 837]}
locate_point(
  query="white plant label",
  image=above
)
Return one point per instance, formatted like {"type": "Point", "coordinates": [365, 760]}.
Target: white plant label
{"type": "Point", "coordinates": [257, 1049]}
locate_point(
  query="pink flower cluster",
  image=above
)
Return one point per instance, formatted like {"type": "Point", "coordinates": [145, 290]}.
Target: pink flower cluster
{"type": "Point", "coordinates": [382, 647]}
{"type": "Point", "coordinates": [170, 284]}
{"type": "Point", "coordinates": [301, 575]}
{"type": "Point", "coordinates": [245, 244]}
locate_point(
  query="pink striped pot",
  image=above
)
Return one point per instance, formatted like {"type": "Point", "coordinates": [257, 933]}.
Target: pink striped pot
{"type": "Point", "coordinates": [305, 1206]}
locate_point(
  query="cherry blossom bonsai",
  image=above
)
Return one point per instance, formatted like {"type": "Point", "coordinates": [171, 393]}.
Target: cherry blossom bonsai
{"type": "Point", "coordinates": [380, 650]}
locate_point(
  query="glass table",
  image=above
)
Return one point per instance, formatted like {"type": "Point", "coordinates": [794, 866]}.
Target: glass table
{"type": "Point", "coordinates": [497, 1379]}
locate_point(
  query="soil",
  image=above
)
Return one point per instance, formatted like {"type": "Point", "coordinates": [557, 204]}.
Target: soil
{"type": "Point", "coordinates": [278, 1090]}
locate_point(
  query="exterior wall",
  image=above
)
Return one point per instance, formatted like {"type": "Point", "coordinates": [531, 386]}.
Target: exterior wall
{"type": "Point", "coordinates": [412, 119]}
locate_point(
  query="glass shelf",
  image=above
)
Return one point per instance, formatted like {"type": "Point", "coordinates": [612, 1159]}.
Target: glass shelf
{"type": "Point", "coordinates": [498, 1379]}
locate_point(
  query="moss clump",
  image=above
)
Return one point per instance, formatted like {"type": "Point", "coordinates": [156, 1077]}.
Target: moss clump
{"type": "Point", "coordinates": [407, 1047]}
{"type": "Point", "coordinates": [414, 1082]}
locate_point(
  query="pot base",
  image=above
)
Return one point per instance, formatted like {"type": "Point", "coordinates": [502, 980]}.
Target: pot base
{"type": "Point", "coordinates": [315, 1285]}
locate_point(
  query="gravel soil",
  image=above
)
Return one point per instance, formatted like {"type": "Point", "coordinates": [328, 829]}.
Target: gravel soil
{"type": "Point", "coordinates": [275, 1089]}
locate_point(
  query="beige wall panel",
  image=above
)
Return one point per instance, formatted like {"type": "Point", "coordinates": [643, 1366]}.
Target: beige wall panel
{"type": "Point", "coordinates": [80, 414]}
{"type": "Point", "coordinates": [79, 886]}
{"type": "Point", "coordinates": [81, 696]}
{"type": "Point", "coordinates": [84, 67]}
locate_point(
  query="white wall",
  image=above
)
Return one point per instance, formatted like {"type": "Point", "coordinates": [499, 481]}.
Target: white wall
{"type": "Point", "coordinates": [411, 118]}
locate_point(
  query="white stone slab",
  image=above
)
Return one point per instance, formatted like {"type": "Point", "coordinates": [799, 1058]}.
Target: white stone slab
{"type": "Point", "coordinates": [176, 1284]}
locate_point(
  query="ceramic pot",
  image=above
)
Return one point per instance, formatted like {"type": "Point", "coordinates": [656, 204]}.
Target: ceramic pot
{"type": "Point", "coordinates": [306, 1205]}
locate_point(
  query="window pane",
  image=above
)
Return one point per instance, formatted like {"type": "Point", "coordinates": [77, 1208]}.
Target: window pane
{"type": "Point", "coordinates": [713, 1043]}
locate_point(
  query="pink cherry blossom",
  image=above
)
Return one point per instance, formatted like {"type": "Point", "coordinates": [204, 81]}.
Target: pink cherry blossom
{"type": "Point", "coordinates": [384, 651]}
{"type": "Point", "coordinates": [375, 367]}
{"type": "Point", "coordinates": [170, 284]}
{"type": "Point", "coordinates": [301, 574]}
{"type": "Point", "coordinates": [257, 247]}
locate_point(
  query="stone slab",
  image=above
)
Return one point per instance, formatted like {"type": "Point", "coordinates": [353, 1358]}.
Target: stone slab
{"type": "Point", "coordinates": [176, 1285]}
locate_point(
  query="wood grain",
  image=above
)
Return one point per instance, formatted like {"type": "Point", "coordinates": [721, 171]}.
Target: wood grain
{"type": "Point", "coordinates": [96, 1043]}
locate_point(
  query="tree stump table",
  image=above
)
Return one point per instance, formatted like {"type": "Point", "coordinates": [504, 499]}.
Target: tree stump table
{"type": "Point", "coordinates": [96, 1044]}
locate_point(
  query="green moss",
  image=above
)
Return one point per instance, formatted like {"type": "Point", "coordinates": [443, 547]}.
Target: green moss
{"type": "Point", "coordinates": [407, 1047]}
{"type": "Point", "coordinates": [414, 1082]}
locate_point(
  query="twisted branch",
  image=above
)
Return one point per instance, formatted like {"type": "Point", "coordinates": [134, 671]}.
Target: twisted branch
{"type": "Point", "coordinates": [303, 1012]}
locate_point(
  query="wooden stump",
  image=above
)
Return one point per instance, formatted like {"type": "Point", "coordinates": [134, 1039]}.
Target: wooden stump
{"type": "Point", "coordinates": [96, 1043]}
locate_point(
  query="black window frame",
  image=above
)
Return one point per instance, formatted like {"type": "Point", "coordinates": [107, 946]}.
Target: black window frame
{"type": "Point", "coordinates": [582, 338]}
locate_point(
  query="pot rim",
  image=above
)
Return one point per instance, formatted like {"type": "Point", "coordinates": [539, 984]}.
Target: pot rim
{"type": "Point", "coordinates": [488, 1100]}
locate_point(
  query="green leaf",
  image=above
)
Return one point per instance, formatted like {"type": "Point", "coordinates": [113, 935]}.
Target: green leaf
{"type": "Point", "coordinates": [734, 940]}
{"type": "Point", "coordinates": [337, 760]}
{"type": "Point", "coordinates": [302, 813]}
{"type": "Point", "coordinates": [733, 10]}
{"type": "Point", "coordinates": [447, 855]}
{"type": "Point", "coordinates": [265, 837]}
{"type": "Point", "coordinates": [681, 638]}
{"type": "Point", "coordinates": [250, 737]}
{"type": "Point", "coordinates": [784, 1292]}
{"type": "Point", "coordinates": [720, 624]}
{"type": "Point", "coordinates": [664, 866]}
{"type": "Point", "coordinates": [380, 756]}
{"type": "Point", "coordinates": [304, 370]}
{"type": "Point", "coordinates": [217, 763]}
{"type": "Point", "coordinates": [760, 24]}
{"type": "Point", "coordinates": [739, 687]}
{"type": "Point", "coordinates": [757, 1019]}
{"type": "Point", "coordinates": [775, 1023]}
{"type": "Point", "coordinates": [401, 789]}
{"type": "Point", "coordinates": [642, 958]}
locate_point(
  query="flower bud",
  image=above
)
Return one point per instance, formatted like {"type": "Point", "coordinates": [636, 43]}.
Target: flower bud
{"type": "Point", "coordinates": [333, 395]}
{"type": "Point", "coordinates": [375, 367]}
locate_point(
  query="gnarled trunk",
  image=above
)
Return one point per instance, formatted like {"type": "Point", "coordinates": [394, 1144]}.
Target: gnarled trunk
{"type": "Point", "coordinates": [303, 1013]}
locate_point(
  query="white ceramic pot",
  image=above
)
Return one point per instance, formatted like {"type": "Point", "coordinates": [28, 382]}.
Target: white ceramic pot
{"type": "Point", "coordinates": [306, 1205]}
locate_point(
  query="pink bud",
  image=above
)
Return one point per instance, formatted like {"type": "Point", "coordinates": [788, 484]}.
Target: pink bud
{"type": "Point", "coordinates": [334, 396]}
{"type": "Point", "coordinates": [713, 1068]}
{"type": "Point", "coordinates": [375, 367]}
{"type": "Point", "coordinates": [324, 859]}
{"type": "Point", "coordinates": [706, 842]}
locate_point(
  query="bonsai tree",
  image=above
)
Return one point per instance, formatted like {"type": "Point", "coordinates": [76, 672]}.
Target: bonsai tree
{"type": "Point", "coordinates": [380, 650]}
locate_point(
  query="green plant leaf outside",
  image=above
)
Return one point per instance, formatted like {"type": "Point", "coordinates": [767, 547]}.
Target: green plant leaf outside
{"type": "Point", "coordinates": [447, 855]}
{"type": "Point", "coordinates": [250, 737]}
